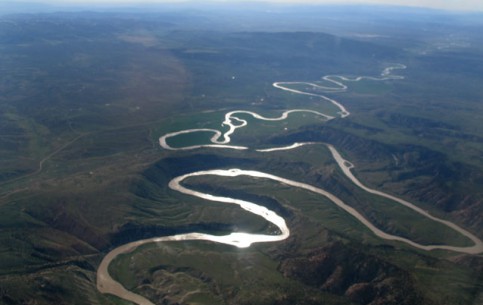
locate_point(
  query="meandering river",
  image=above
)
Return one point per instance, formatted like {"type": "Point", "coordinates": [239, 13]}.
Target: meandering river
{"type": "Point", "coordinates": [106, 284]}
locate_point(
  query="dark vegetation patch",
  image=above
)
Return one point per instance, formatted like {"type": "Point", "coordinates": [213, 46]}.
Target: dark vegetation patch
{"type": "Point", "coordinates": [131, 231]}
{"type": "Point", "coordinates": [363, 278]}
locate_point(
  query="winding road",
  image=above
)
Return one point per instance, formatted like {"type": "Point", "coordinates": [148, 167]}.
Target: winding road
{"type": "Point", "coordinates": [106, 284]}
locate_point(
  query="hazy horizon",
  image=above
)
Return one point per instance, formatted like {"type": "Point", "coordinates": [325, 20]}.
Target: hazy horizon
{"type": "Point", "coordinates": [466, 5]}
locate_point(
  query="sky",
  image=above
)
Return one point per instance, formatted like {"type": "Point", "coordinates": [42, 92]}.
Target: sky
{"type": "Point", "coordinates": [469, 5]}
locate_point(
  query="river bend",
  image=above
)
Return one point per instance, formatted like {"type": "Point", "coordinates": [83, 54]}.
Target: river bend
{"type": "Point", "coordinates": [219, 139]}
